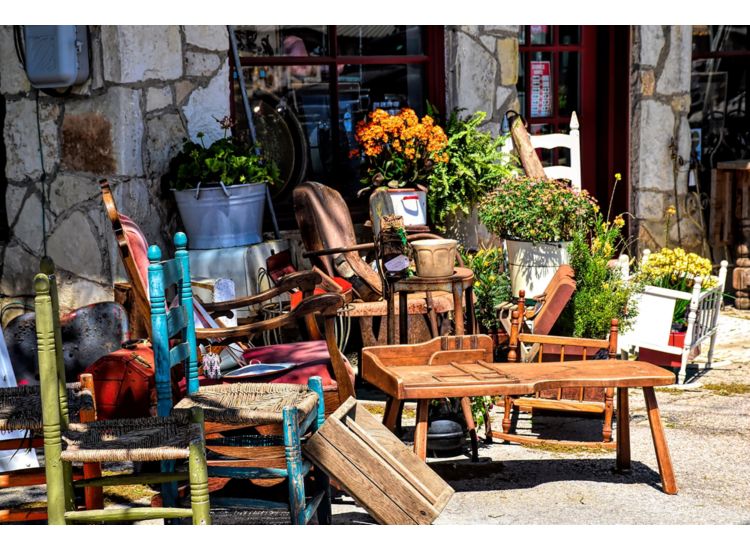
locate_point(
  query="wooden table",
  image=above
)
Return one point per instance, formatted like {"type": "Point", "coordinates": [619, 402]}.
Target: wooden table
{"type": "Point", "coordinates": [471, 378]}
{"type": "Point", "coordinates": [458, 284]}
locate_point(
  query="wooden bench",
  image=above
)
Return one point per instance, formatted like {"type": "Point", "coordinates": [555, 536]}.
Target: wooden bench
{"type": "Point", "coordinates": [461, 366]}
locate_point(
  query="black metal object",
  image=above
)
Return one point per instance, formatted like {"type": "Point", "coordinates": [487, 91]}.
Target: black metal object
{"type": "Point", "coordinates": [88, 333]}
{"type": "Point", "coordinates": [249, 115]}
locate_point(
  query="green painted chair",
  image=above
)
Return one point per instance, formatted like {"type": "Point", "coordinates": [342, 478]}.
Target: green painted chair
{"type": "Point", "coordinates": [175, 437]}
{"type": "Point", "coordinates": [273, 418]}
{"type": "Point", "coordinates": [21, 410]}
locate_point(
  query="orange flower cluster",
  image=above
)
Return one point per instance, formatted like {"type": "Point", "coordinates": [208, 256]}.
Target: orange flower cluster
{"type": "Point", "coordinates": [402, 134]}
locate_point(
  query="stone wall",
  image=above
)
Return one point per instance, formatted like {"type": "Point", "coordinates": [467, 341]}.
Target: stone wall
{"type": "Point", "coordinates": [660, 101]}
{"type": "Point", "coordinates": [150, 88]}
{"type": "Point", "coordinates": [481, 68]}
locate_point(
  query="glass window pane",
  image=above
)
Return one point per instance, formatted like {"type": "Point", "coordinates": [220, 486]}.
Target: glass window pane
{"type": "Point", "coordinates": [569, 35]}
{"type": "Point", "coordinates": [522, 35]}
{"type": "Point", "coordinates": [282, 40]}
{"type": "Point", "coordinates": [541, 34]}
{"type": "Point", "coordinates": [721, 38]}
{"type": "Point", "coordinates": [380, 40]}
{"type": "Point", "coordinates": [568, 86]}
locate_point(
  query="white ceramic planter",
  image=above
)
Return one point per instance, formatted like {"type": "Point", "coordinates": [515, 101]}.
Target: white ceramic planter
{"type": "Point", "coordinates": [434, 257]}
{"type": "Point", "coordinates": [224, 216]}
{"type": "Point", "coordinates": [532, 266]}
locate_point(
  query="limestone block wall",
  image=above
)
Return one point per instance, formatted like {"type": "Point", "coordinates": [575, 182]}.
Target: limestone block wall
{"type": "Point", "coordinates": [660, 101]}
{"type": "Point", "coordinates": [481, 68]}
{"type": "Point", "coordinates": [150, 88]}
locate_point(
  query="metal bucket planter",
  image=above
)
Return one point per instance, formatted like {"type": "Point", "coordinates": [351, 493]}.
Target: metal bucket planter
{"type": "Point", "coordinates": [222, 217]}
{"type": "Point", "coordinates": [532, 265]}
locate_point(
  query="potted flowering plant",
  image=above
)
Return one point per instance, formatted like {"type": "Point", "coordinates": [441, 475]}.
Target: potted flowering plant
{"type": "Point", "coordinates": [399, 152]}
{"type": "Point", "coordinates": [220, 190]}
{"type": "Point", "coordinates": [537, 219]}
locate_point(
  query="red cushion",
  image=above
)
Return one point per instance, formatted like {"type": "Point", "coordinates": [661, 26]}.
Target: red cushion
{"type": "Point", "coordinates": [312, 359]}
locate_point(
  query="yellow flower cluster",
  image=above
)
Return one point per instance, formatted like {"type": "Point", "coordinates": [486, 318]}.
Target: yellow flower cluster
{"type": "Point", "coordinates": [404, 133]}
{"type": "Point", "coordinates": [676, 265]}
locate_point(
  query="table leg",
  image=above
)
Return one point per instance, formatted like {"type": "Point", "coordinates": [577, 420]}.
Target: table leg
{"type": "Point", "coordinates": [391, 318]}
{"type": "Point", "coordinates": [420, 431]}
{"type": "Point", "coordinates": [469, 418]}
{"type": "Point", "coordinates": [390, 416]}
{"type": "Point", "coordinates": [458, 308]}
{"type": "Point", "coordinates": [403, 317]}
{"type": "Point", "coordinates": [660, 443]}
{"type": "Point", "coordinates": [469, 293]}
{"type": "Point", "coordinates": [623, 430]}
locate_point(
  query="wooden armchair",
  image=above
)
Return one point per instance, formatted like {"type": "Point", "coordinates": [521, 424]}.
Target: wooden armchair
{"type": "Point", "coordinates": [328, 235]}
{"type": "Point", "coordinates": [560, 348]}
{"type": "Point", "coordinates": [549, 305]}
{"type": "Point", "coordinates": [318, 357]}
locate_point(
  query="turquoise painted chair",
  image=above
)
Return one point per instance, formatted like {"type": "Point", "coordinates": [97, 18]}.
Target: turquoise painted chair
{"type": "Point", "coordinates": [260, 411]}
{"type": "Point", "coordinates": [177, 437]}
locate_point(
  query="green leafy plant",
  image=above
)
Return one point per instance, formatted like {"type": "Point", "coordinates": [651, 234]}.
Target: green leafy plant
{"type": "Point", "coordinates": [524, 209]}
{"type": "Point", "coordinates": [601, 292]}
{"type": "Point", "coordinates": [475, 166]}
{"type": "Point", "coordinates": [226, 160]}
{"type": "Point", "coordinates": [491, 284]}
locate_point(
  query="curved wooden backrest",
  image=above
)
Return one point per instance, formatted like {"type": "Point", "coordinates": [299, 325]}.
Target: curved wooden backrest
{"type": "Point", "coordinates": [325, 223]}
{"type": "Point", "coordinates": [556, 296]}
{"type": "Point", "coordinates": [128, 239]}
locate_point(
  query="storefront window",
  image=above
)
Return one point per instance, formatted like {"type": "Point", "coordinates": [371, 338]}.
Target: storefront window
{"type": "Point", "coordinates": [309, 86]}
{"type": "Point", "coordinates": [719, 120]}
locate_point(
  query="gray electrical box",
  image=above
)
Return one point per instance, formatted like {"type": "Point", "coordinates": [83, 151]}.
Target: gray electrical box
{"type": "Point", "coordinates": [57, 56]}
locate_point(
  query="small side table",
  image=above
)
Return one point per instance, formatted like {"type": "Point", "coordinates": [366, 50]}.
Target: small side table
{"type": "Point", "coordinates": [459, 284]}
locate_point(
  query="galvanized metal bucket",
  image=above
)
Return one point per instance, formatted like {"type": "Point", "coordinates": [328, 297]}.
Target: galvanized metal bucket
{"type": "Point", "coordinates": [222, 217]}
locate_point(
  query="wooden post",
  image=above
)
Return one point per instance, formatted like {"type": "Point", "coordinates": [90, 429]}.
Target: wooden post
{"type": "Point", "coordinates": [660, 443]}
{"type": "Point", "coordinates": [294, 465]}
{"type": "Point", "coordinates": [48, 378]}
{"type": "Point", "coordinates": [91, 470]}
{"type": "Point", "coordinates": [199, 473]}
{"type": "Point", "coordinates": [514, 355]}
{"type": "Point", "coordinates": [186, 300]}
{"type": "Point", "coordinates": [324, 483]}
{"type": "Point", "coordinates": [613, 332]}
{"type": "Point", "coordinates": [623, 430]}
{"type": "Point", "coordinates": [522, 144]}
{"type": "Point", "coordinates": [692, 316]}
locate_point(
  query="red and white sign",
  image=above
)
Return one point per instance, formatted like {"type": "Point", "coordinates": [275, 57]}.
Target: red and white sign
{"type": "Point", "coordinates": [541, 89]}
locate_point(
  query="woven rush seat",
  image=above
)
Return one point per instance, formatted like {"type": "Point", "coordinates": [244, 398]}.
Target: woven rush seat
{"type": "Point", "coordinates": [249, 403]}
{"type": "Point", "coordinates": [21, 407]}
{"type": "Point", "coordinates": [131, 439]}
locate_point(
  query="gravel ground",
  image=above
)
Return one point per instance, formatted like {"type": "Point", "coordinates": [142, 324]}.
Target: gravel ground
{"type": "Point", "coordinates": [707, 432]}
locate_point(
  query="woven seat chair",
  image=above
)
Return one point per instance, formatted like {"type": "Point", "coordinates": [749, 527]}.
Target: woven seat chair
{"type": "Point", "coordinates": [21, 410]}
{"type": "Point", "coordinates": [179, 436]}
{"type": "Point", "coordinates": [292, 410]}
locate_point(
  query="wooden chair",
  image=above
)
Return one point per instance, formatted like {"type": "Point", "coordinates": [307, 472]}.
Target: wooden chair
{"type": "Point", "coordinates": [560, 348]}
{"type": "Point", "coordinates": [570, 141]}
{"type": "Point", "coordinates": [549, 305]}
{"type": "Point", "coordinates": [294, 410]}
{"type": "Point", "coordinates": [330, 242]}
{"type": "Point", "coordinates": [177, 437]}
{"type": "Point", "coordinates": [318, 357]}
{"type": "Point", "coordinates": [21, 409]}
